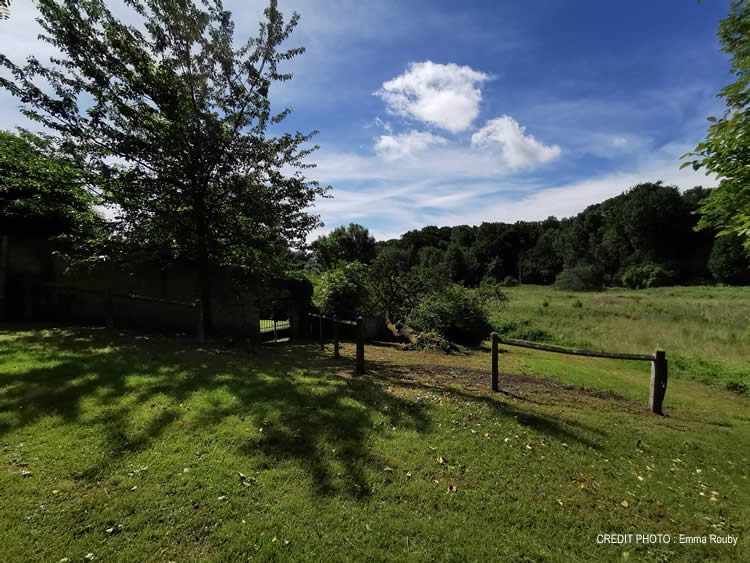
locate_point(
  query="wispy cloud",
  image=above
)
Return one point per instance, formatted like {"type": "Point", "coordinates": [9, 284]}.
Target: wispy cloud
{"type": "Point", "coordinates": [389, 203]}
{"type": "Point", "coordinates": [406, 145]}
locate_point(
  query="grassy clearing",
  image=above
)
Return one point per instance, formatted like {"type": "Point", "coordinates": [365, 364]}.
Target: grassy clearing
{"type": "Point", "coordinates": [134, 448]}
{"type": "Point", "coordinates": [705, 330]}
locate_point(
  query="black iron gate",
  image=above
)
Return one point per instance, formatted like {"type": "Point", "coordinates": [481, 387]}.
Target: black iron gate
{"type": "Point", "coordinates": [275, 321]}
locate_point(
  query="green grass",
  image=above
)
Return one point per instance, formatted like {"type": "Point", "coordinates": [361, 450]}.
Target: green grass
{"type": "Point", "coordinates": [705, 330]}
{"type": "Point", "coordinates": [267, 324]}
{"type": "Point", "coordinates": [134, 447]}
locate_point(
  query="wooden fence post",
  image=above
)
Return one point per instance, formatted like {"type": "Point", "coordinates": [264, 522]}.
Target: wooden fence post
{"type": "Point", "coordinates": [360, 366]}
{"type": "Point", "coordinates": [336, 336]}
{"type": "Point", "coordinates": [200, 330]}
{"type": "Point", "coordinates": [495, 371]}
{"type": "Point", "coordinates": [320, 332]}
{"type": "Point", "coordinates": [109, 308]}
{"type": "Point", "coordinates": [28, 298]}
{"type": "Point", "coordinates": [658, 381]}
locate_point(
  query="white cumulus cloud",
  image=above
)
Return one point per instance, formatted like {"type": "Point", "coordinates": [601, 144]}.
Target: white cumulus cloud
{"type": "Point", "coordinates": [518, 149]}
{"type": "Point", "coordinates": [406, 145]}
{"type": "Point", "coordinates": [445, 95]}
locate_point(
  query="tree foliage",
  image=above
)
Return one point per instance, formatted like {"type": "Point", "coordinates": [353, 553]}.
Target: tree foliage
{"type": "Point", "coordinates": [729, 262]}
{"type": "Point", "coordinates": [648, 224]}
{"type": "Point", "coordinates": [643, 276]}
{"type": "Point", "coordinates": [726, 150]}
{"type": "Point", "coordinates": [342, 290]}
{"type": "Point", "coordinates": [43, 193]}
{"type": "Point", "coordinates": [455, 312]}
{"type": "Point", "coordinates": [344, 243]}
{"type": "Point", "coordinates": [173, 119]}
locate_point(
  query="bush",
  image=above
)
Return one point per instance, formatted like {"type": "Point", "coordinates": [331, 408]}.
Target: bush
{"type": "Point", "coordinates": [729, 262]}
{"type": "Point", "coordinates": [579, 278]}
{"type": "Point", "coordinates": [454, 312]}
{"type": "Point", "coordinates": [646, 275]}
{"type": "Point", "coordinates": [510, 281]}
{"type": "Point", "coordinates": [490, 291]}
{"type": "Point", "coordinates": [521, 330]}
{"type": "Point", "coordinates": [342, 290]}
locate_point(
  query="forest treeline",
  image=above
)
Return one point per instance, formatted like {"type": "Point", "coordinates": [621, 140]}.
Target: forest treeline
{"type": "Point", "coordinates": [644, 237]}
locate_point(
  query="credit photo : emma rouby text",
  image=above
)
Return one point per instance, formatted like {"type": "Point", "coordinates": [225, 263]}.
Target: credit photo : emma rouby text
{"type": "Point", "coordinates": [680, 539]}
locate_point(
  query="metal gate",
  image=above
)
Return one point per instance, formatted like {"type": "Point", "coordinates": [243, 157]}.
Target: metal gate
{"type": "Point", "coordinates": [275, 321]}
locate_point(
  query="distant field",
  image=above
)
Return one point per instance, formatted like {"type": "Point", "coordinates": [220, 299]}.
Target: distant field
{"type": "Point", "coordinates": [705, 330]}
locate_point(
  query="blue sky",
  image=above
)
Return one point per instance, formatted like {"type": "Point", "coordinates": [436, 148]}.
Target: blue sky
{"type": "Point", "coordinates": [451, 113]}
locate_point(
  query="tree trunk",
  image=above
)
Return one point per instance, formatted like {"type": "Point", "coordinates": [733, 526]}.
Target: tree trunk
{"type": "Point", "coordinates": [205, 288]}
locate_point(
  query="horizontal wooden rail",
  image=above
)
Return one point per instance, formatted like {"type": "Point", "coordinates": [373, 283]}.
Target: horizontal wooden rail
{"type": "Point", "coordinates": [359, 363]}
{"type": "Point", "coordinates": [559, 350]}
{"type": "Point", "coordinates": [153, 299]}
{"type": "Point", "coordinates": [132, 296]}
{"type": "Point", "coordinates": [71, 288]}
{"type": "Point", "coordinates": [334, 319]}
{"type": "Point", "coordinates": [658, 365]}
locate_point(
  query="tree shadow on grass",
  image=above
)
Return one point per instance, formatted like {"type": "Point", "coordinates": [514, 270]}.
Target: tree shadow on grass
{"type": "Point", "coordinates": [393, 374]}
{"type": "Point", "coordinates": [127, 388]}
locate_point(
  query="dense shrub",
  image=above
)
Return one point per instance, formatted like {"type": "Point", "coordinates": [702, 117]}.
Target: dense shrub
{"type": "Point", "coordinates": [729, 262]}
{"type": "Point", "coordinates": [580, 278]}
{"type": "Point", "coordinates": [490, 291]}
{"type": "Point", "coordinates": [510, 281]}
{"type": "Point", "coordinates": [454, 312]}
{"type": "Point", "coordinates": [342, 290]}
{"type": "Point", "coordinates": [646, 275]}
{"type": "Point", "coordinates": [521, 330]}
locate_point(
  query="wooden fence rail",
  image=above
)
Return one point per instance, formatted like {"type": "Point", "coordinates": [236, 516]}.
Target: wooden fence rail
{"type": "Point", "coordinates": [109, 310]}
{"type": "Point", "coordinates": [359, 366]}
{"type": "Point", "coordinates": [658, 365]}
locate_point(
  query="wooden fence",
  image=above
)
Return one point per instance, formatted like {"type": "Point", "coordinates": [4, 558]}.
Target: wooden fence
{"type": "Point", "coordinates": [359, 366]}
{"type": "Point", "coordinates": [109, 309]}
{"type": "Point", "coordinates": [658, 365]}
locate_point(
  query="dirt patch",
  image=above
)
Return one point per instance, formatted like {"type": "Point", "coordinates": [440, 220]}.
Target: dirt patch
{"type": "Point", "coordinates": [544, 390]}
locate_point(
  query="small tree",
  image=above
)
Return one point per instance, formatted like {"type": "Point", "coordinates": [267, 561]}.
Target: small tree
{"type": "Point", "coordinates": [454, 312]}
{"type": "Point", "coordinates": [582, 277]}
{"type": "Point", "coordinates": [172, 120]}
{"type": "Point", "coordinates": [342, 290]}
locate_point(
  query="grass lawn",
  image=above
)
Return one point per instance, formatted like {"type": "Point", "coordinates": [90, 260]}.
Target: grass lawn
{"type": "Point", "coordinates": [705, 330]}
{"type": "Point", "coordinates": [266, 325]}
{"type": "Point", "coordinates": [147, 449]}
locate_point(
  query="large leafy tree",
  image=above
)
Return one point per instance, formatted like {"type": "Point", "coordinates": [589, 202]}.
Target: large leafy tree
{"type": "Point", "coordinates": [43, 193]}
{"type": "Point", "coordinates": [726, 150]}
{"type": "Point", "coordinates": [344, 243]}
{"type": "Point", "coordinates": [173, 118]}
